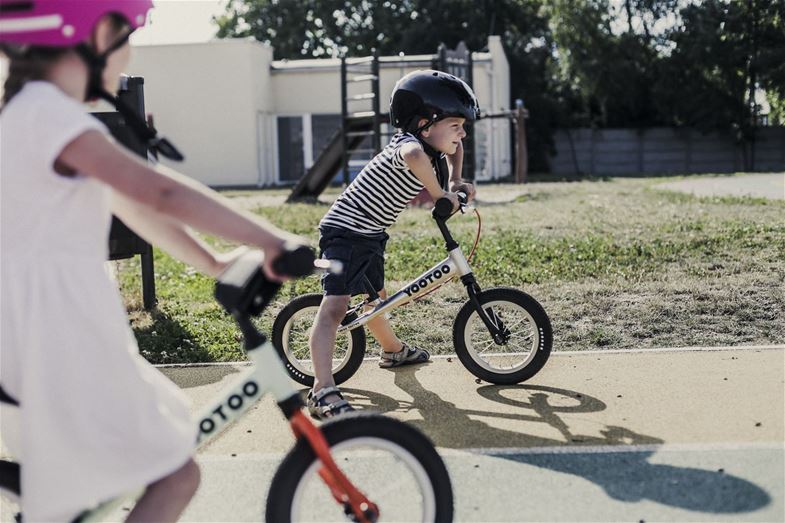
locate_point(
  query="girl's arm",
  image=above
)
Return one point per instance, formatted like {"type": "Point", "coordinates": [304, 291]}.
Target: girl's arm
{"type": "Point", "coordinates": [170, 193]}
{"type": "Point", "coordinates": [171, 235]}
{"type": "Point", "coordinates": [420, 164]}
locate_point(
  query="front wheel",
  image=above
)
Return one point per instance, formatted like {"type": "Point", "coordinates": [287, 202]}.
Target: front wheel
{"type": "Point", "coordinates": [291, 331]}
{"type": "Point", "coordinates": [392, 463]}
{"type": "Point", "coordinates": [527, 337]}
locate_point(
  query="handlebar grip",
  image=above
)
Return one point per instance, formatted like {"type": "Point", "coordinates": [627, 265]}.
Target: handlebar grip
{"type": "Point", "coordinates": [442, 208]}
{"type": "Point", "coordinates": [295, 261]}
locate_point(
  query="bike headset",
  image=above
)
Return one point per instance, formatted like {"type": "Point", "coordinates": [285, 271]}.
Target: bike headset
{"type": "Point", "coordinates": [433, 96]}
{"type": "Point", "coordinates": [70, 23]}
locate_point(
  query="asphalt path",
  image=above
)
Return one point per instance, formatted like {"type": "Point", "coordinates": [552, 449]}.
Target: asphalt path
{"type": "Point", "coordinates": [692, 434]}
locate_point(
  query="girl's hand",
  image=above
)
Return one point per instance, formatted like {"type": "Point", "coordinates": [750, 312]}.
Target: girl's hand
{"type": "Point", "coordinates": [289, 244]}
{"type": "Point", "coordinates": [225, 259]}
{"type": "Point", "coordinates": [270, 254]}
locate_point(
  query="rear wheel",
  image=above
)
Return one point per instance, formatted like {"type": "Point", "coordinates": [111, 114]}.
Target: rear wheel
{"type": "Point", "coordinates": [291, 331]}
{"type": "Point", "coordinates": [390, 462]}
{"type": "Point", "coordinates": [526, 330]}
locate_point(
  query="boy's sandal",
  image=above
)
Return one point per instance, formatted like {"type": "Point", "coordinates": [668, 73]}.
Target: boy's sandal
{"type": "Point", "coordinates": [320, 409]}
{"type": "Point", "coordinates": [406, 356]}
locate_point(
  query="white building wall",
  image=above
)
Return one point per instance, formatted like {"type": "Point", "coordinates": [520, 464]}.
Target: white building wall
{"type": "Point", "coordinates": [498, 141]}
{"type": "Point", "coordinates": [213, 101]}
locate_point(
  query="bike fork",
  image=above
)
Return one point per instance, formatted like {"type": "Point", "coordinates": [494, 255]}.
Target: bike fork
{"type": "Point", "coordinates": [492, 321]}
{"type": "Point", "coordinates": [355, 503]}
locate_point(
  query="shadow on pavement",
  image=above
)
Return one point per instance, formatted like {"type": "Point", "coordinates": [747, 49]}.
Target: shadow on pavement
{"type": "Point", "coordinates": [629, 477]}
{"type": "Point", "coordinates": [625, 476]}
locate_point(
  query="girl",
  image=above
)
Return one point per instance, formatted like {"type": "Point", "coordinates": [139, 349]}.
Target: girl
{"type": "Point", "coordinates": [96, 420]}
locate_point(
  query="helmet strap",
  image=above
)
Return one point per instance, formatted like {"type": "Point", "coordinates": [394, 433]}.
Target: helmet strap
{"type": "Point", "coordinates": [96, 63]}
{"type": "Point", "coordinates": [430, 122]}
{"type": "Point", "coordinates": [430, 151]}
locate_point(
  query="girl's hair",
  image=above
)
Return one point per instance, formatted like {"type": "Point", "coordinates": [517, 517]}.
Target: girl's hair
{"type": "Point", "coordinates": [31, 63]}
{"type": "Point", "coordinates": [26, 65]}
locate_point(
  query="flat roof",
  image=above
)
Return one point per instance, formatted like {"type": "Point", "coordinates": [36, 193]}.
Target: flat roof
{"type": "Point", "coordinates": [384, 61]}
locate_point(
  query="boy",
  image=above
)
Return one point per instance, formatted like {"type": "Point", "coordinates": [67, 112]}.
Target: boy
{"type": "Point", "coordinates": [430, 109]}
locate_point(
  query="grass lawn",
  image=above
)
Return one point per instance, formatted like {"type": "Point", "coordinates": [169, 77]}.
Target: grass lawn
{"type": "Point", "coordinates": [616, 263]}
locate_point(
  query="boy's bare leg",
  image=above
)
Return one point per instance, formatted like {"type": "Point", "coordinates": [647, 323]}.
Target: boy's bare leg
{"type": "Point", "coordinates": [322, 340]}
{"type": "Point", "coordinates": [167, 498]}
{"type": "Point", "coordinates": [382, 330]}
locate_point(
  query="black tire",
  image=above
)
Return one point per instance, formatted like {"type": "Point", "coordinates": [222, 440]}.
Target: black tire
{"type": "Point", "coordinates": [371, 472]}
{"type": "Point", "coordinates": [299, 314]}
{"type": "Point", "coordinates": [522, 356]}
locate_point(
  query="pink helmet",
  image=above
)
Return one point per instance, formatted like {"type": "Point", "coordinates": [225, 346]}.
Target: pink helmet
{"type": "Point", "coordinates": [62, 23]}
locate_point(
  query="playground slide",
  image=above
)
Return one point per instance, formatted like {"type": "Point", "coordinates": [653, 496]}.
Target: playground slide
{"type": "Point", "coordinates": [330, 161]}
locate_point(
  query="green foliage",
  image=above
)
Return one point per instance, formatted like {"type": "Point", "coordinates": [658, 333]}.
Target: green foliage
{"type": "Point", "coordinates": [777, 105]}
{"type": "Point", "coordinates": [722, 51]}
{"type": "Point", "coordinates": [608, 67]}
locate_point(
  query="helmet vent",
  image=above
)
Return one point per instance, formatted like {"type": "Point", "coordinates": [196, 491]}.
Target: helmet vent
{"type": "Point", "coordinates": [15, 7]}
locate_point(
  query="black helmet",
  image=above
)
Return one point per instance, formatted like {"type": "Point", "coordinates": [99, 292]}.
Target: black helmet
{"type": "Point", "coordinates": [432, 95]}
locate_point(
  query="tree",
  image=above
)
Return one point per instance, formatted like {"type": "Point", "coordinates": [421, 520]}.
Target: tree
{"type": "Point", "coordinates": [723, 53]}
{"type": "Point", "coordinates": [608, 58]}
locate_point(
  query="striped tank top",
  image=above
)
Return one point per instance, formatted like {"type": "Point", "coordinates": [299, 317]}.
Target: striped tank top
{"type": "Point", "coordinates": [373, 201]}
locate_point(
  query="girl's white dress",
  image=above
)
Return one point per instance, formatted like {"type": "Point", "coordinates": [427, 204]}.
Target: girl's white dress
{"type": "Point", "coordinates": [96, 420]}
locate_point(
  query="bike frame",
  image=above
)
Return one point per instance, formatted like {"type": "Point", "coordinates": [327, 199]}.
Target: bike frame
{"type": "Point", "coordinates": [266, 374]}
{"type": "Point", "coordinates": [454, 265]}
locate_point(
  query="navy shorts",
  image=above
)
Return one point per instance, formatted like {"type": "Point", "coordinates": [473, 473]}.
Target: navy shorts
{"type": "Point", "coordinates": [362, 257]}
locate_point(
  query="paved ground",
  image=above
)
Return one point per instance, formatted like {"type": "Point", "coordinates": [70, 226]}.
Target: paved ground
{"type": "Point", "coordinates": [657, 435]}
{"type": "Point", "coordinates": [770, 185]}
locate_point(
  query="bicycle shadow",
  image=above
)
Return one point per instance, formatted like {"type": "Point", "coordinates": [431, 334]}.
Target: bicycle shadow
{"type": "Point", "coordinates": [626, 476]}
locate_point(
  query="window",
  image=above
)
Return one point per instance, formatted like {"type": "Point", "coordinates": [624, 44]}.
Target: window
{"type": "Point", "coordinates": [290, 148]}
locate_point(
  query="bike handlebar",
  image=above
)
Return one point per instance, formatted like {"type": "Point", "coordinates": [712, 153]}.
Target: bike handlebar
{"type": "Point", "coordinates": [442, 208]}
{"type": "Point", "coordinates": [243, 289]}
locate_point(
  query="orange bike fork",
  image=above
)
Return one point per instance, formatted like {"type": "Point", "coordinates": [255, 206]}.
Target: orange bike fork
{"type": "Point", "coordinates": [340, 486]}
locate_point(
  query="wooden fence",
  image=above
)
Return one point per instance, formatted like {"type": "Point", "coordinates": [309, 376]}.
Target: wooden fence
{"type": "Point", "coordinates": [664, 150]}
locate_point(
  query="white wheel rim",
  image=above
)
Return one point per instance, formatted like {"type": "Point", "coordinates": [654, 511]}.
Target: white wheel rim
{"type": "Point", "coordinates": [524, 334]}
{"type": "Point", "coordinates": [424, 486]}
{"type": "Point", "coordinates": [304, 365]}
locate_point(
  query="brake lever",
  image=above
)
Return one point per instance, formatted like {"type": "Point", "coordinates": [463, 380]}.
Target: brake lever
{"type": "Point", "coordinates": [463, 201]}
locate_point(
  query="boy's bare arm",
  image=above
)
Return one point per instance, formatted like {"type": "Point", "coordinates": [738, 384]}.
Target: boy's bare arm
{"type": "Point", "coordinates": [458, 184]}
{"type": "Point", "coordinates": [420, 165]}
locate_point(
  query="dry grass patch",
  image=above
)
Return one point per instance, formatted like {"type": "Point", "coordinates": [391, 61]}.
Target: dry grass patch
{"type": "Point", "coordinates": [616, 263]}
